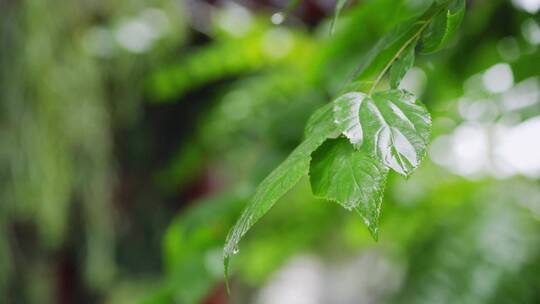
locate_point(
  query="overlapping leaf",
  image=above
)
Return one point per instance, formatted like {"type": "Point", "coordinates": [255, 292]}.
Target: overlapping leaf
{"type": "Point", "coordinates": [281, 180]}
{"type": "Point", "coordinates": [351, 178]}
{"type": "Point", "coordinates": [388, 129]}
{"type": "Point", "coordinates": [402, 65]}
{"type": "Point", "coordinates": [321, 122]}
{"type": "Point", "coordinates": [407, 33]}
{"type": "Point", "coordinates": [393, 126]}
{"type": "Point", "coordinates": [389, 48]}
{"type": "Point", "coordinates": [443, 26]}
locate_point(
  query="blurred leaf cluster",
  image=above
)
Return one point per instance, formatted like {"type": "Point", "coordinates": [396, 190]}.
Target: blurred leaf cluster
{"type": "Point", "coordinates": [133, 133]}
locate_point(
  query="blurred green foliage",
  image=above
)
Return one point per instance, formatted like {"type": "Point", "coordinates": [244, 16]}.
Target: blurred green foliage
{"type": "Point", "coordinates": [107, 140]}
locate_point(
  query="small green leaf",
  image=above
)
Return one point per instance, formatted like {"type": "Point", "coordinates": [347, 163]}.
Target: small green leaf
{"type": "Point", "coordinates": [443, 26]}
{"type": "Point", "coordinates": [281, 180]}
{"type": "Point", "coordinates": [340, 4]}
{"type": "Point", "coordinates": [351, 178]}
{"type": "Point", "coordinates": [389, 48]}
{"type": "Point", "coordinates": [393, 126]}
{"type": "Point", "coordinates": [402, 65]}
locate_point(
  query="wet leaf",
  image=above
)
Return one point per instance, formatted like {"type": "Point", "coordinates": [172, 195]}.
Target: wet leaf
{"type": "Point", "coordinates": [321, 121]}
{"type": "Point", "coordinates": [443, 26]}
{"type": "Point", "coordinates": [281, 180]}
{"type": "Point", "coordinates": [351, 178]}
{"type": "Point", "coordinates": [388, 129]}
{"type": "Point", "coordinates": [401, 66]}
{"type": "Point", "coordinates": [392, 125]}
{"type": "Point", "coordinates": [405, 34]}
{"type": "Point", "coordinates": [389, 48]}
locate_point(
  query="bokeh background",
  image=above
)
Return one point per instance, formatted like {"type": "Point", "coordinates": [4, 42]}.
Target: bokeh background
{"type": "Point", "coordinates": [133, 132]}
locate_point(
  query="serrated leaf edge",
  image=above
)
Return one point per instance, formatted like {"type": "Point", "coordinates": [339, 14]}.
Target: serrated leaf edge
{"type": "Point", "coordinates": [373, 228]}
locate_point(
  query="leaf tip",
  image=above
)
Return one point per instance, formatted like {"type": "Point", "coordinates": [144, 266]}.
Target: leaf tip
{"type": "Point", "coordinates": [340, 4]}
{"type": "Point", "coordinates": [332, 29]}
{"type": "Point", "coordinates": [226, 260]}
{"type": "Point", "coordinates": [374, 231]}
{"type": "Point", "coordinates": [373, 228]}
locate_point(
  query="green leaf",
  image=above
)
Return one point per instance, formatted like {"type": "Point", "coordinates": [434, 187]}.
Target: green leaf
{"type": "Point", "coordinates": [394, 43]}
{"type": "Point", "coordinates": [401, 66]}
{"type": "Point", "coordinates": [351, 178]}
{"type": "Point", "coordinates": [392, 125]}
{"type": "Point", "coordinates": [340, 4]}
{"type": "Point", "coordinates": [443, 26]}
{"type": "Point", "coordinates": [281, 180]}
{"type": "Point", "coordinates": [389, 48]}
{"type": "Point", "coordinates": [321, 121]}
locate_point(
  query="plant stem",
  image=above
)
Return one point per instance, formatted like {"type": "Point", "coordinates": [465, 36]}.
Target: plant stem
{"type": "Point", "coordinates": [399, 52]}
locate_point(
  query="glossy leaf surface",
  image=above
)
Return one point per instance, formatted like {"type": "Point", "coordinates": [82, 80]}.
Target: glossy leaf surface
{"type": "Point", "coordinates": [392, 125]}
{"type": "Point", "coordinates": [351, 178]}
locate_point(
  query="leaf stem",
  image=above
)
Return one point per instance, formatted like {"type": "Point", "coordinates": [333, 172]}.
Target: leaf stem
{"type": "Point", "coordinates": [399, 52]}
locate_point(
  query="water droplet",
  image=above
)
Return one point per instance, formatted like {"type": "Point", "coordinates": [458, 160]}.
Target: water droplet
{"type": "Point", "coordinates": [235, 250]}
